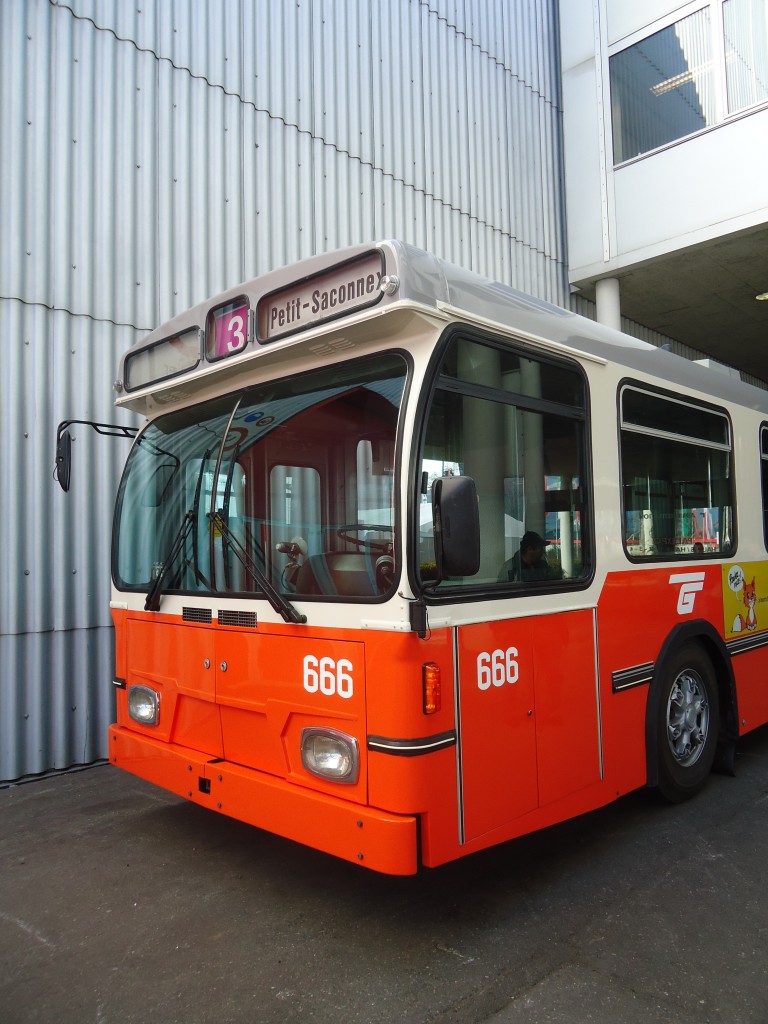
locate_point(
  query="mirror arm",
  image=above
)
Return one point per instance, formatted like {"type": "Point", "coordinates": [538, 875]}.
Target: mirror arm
{"type": "Point", "coordinates": [63, 462]}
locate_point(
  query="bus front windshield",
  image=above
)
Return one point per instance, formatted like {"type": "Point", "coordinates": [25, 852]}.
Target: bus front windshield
{"type": "Point", "coordinates": [285, 489]}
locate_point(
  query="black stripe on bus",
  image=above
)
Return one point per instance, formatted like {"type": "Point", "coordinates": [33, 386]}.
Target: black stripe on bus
{"type": "Point", "coordinates": [414, 747]}
{"type": "Point", "coordinates": [627, 678]}
{"type": "Point", "coordinates": [638, 675]}
{"type": "Point", "coordinates": [742, 644]}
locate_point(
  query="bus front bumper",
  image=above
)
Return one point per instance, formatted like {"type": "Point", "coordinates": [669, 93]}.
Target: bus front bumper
{"type": "Point", "coordinates": [364, 835]}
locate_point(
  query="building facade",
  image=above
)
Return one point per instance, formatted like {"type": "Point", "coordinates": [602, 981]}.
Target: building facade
{"type": "Point", "coordinates": [666, 144]}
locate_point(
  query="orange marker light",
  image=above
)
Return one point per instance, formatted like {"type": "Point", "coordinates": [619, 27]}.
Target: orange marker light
{"type": "Point", "coordinates": [431, 687]}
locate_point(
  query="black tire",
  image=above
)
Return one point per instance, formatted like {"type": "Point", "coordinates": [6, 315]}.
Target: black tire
{"type": "Point", "coordinates": [688, 723]}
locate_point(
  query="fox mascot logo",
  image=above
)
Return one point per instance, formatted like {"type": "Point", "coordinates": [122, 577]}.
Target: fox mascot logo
{"type": "Point", "coordinates": [749, 595]}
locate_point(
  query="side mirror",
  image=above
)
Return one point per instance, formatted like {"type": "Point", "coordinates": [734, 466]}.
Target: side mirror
{"type": "Point", "coordinates": [63, 458]}
{"type": "Point", "coordinates": [63, 468]}
{"type": "Point", "coordinates": [457, 526]}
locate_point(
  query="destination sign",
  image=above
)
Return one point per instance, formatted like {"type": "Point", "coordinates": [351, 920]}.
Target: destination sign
{"type": "Point", "coordinates": [342, 290]}
{"type": "Point", "coordinates": [164, 359]}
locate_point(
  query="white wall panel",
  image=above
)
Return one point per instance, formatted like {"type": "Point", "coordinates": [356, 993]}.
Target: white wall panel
{"type": "Point", "coordinates": [676, 184]}
{"type": "Point", "coordinates": [342, 60]}
{"type": "Point", "coordinates": [200, 179]}
{"type": "Point", "coordinates": [54, 700]}
{"type": "Point", "coordinates": [54, 363]}
{"type": "Point", "coordinates": [620, 216]}
{"type": "Point", "coordinates": [157, 151]}
{"type": "Point", "coordinates": [402, 103]}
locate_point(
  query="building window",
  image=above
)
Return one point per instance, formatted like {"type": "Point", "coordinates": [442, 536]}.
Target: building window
{"type": "Point", "coordinates": [745, 31]}
{"type": "Point", "coordinates": [670, 84]}
{"type": "Point", "coordinates": [661, 88]}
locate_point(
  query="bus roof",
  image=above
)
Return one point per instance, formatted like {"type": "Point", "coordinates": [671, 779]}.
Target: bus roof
{"type": "Point", "coordinates": [281, 308]}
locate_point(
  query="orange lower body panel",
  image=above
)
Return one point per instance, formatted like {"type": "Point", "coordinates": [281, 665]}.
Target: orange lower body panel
{"type": "Point", "coordinates": [364, 835]}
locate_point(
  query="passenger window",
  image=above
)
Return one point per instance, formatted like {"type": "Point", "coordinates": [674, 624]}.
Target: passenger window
{"type": "Point", "coordinates": [516, 425]}
{"type": "Point", "coordinates": [677, 481]}
{"type": "Point", "coordinates": [764, 478]}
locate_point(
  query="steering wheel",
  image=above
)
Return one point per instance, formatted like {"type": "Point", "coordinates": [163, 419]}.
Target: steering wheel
{"type": "Point", "coordinates": [351, 532]}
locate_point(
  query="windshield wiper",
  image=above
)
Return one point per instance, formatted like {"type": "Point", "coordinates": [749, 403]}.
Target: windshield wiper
{"type": "Point", "coordinates": [280, 603]}
{"type": "Point", "coordinates": [152, 603]}
{"type": "Point", "coordinates": [195, 513]}
{"type": "Point", "coordinates": [225, 513]}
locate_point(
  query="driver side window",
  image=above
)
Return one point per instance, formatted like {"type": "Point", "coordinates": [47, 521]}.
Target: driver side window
{"type": "Point", "coordinates": [515, 424]}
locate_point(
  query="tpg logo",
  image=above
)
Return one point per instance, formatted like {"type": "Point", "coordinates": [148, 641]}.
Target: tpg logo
{"type": "Point", "coordinates": [690, 584]}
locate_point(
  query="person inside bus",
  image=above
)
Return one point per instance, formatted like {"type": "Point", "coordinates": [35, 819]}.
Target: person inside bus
{"type": "Point", "coordinates": [529, 564]}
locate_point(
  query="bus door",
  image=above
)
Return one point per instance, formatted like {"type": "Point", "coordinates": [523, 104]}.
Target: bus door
{"type": "Point", "coordinates": [514, 421]}
{"type": "Point", "coordinates": [528, 711]}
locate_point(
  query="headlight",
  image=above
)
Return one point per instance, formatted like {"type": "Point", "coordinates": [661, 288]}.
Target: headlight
{"type": "Point", "coordinates": [330, 754]}
{"type": "Point", "coordinates": [144, 705]}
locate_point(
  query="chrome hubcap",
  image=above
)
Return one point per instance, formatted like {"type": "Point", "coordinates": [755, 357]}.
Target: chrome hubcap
{"type": "Point", "coordinates": [687, 718]}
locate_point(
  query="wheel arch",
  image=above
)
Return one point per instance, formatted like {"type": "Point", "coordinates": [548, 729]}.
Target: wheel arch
{"type": "Point", "coordinates": [702, 632]}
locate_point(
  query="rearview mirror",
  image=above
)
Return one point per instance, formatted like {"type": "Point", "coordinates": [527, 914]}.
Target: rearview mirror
{"type": "Point", "coordinates": [457, 526]}
{"type": "Point", "coordinates": [63, 458]}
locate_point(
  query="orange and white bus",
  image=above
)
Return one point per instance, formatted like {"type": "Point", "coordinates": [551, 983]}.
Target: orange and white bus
{"type": "Point", "coordinates": [407, 563]}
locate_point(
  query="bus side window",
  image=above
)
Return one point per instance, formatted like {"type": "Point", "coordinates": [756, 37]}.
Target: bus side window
{"type": "Point", "coordinates": [764, 478]}
{"type": "Point", "coordinates": [677, 486]}
{"type": "Point", "coordinates": [516, 425]}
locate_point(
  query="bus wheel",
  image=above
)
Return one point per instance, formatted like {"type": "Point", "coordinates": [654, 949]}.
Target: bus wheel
{"type": "Point", "coordinates": [688, 724]}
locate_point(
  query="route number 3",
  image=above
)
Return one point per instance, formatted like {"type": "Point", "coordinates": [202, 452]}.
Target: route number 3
{"type": "Point", "coordinates": [236, 329]}
{"type": "Point", "coordinates": [497, 668]}
{"type": "Point", "coordinates": [230, 332]}
{"type": "Point", "coordinates": [328, 676]}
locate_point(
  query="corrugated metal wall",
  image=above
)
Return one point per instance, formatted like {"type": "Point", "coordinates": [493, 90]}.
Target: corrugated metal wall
{"type": "Point", "coordinates": [156, 151]}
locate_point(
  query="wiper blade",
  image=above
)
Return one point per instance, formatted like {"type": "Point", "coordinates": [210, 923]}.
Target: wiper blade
{"type": "Point", "coordinates": [196, 511]}
{"type": "Point", "coordinates": [280, 603]}
{"type": "Point", "coordinates": [152, 603]}
{"type": "Point", "coordinates": [156, 590]}
{"type": "Point", "coordinates": [225, 512]}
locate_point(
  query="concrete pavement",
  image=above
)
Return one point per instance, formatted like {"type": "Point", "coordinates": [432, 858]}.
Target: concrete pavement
{"type": "Point", "coordinates": [120, 903]}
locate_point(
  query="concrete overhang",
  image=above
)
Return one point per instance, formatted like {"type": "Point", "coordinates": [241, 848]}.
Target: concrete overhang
{"type": "Point", "coordinates": [704, 297]}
